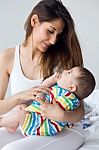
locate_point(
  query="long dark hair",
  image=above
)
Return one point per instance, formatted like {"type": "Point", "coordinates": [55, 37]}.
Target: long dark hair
{"type": "Point", "coordinates": [66, 53]}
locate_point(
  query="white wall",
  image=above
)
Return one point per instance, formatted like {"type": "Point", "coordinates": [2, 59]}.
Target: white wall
{"type": "Point", "coordinates": [13, 14]}
{"type": "Point", "coordinates": [86, 16]}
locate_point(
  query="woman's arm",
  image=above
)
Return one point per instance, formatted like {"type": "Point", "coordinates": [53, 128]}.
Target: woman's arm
{"type": "Point", "coordinates": [5, 59]}
{"type": "Point", "coordinates": [75, 115]}
{"type": "Point", "coordinates": [54, 112]}
{"type": "Point", "coordinates": [6, 63]}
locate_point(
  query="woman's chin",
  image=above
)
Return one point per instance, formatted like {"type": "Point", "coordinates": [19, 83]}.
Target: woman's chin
{"type": "Point", "coordinates": [43, 49]}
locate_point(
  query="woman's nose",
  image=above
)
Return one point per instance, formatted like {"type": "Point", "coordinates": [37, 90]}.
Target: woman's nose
{"type": "Point", "coordinates": [53, 40]}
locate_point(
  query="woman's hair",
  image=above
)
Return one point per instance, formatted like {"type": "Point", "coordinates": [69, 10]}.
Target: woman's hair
{"type": "Point", "coordinates": [86, 83]}
{"type": "Point", "coordinates": [66, 52]}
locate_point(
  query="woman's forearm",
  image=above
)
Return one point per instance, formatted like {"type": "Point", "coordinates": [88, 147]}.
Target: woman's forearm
{"type": "Point", "coordinates": [75, 115]}
{"type": "Point", "coordinates": [7, 104]}
{"type": "Point", "coordinates": [54, 112]}
{"type": "Point", "coordinates": [0, 122]}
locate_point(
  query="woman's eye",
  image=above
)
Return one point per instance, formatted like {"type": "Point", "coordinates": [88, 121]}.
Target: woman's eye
{"type": "Point", "coordinates": [50, 31]}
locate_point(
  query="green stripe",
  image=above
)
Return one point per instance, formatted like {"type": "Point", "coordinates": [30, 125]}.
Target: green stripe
{"type": "Point", "coordinates": [67, 100]}
{"type": "Point", "coordinates": [29, 122]}
{"type": "Point", "coordinates": [46, 128]}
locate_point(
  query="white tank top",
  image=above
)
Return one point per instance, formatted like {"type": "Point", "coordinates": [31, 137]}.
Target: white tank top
{"type": "Point", "coordinates": [17, 79]}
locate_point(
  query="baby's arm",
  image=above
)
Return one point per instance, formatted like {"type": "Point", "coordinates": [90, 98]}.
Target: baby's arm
{"type": "Point", "coordinates": [51, 80]}
{"type": "Point", "coordinates": [47, 83]}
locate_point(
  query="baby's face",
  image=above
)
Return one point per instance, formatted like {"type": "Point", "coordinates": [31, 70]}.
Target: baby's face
{"type": "Point", "coordinates": [68, 77]}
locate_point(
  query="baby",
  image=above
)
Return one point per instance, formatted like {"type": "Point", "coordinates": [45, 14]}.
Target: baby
{"type": "Point", "coordinates": [67, 89]}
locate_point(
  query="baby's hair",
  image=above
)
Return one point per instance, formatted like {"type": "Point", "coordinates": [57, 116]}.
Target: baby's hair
{"type": "Point", "coordinates": [86, 83]}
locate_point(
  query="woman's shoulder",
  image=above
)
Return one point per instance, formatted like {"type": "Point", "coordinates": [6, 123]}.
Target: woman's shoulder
{"type": "Point", "coordinates": [6, 53]}
{"type": "Point", "coordinates": [7, 58]}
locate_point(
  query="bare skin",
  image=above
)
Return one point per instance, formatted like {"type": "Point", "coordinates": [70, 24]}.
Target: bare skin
{"type": "Point", "coordinates": [24, 96]}
{"type": "Point", "coordinates": [5, 71]}
{"type": "Point", "coordinates": [12, 121]}
{"type": "Point", "coordinates": [30, 59]}
{"type": "Point", "coordinates": [64, 80]}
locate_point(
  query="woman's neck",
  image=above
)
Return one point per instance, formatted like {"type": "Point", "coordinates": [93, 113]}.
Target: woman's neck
{"type": "Point", "coordinates": [30, 62]}
{"type": "Point", "coordinates": [31, 52]}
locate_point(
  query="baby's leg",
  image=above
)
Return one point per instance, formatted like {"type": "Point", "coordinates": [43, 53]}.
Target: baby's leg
{"type": "Point", "coordinates": [12, 121]}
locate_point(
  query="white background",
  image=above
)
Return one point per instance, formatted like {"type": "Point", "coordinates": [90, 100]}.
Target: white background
{"type": "Point", "coordinates": [13, 14]}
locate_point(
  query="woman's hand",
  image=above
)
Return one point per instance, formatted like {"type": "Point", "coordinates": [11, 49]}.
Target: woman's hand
{"type": "Point", "coordinates": [52, 111]}
{"type": "Point", "coordinates": [55, 112]}
{"type": "Point", "coordinates": [25, 97]}
{"type": "Point", "coordinates": [30, 95]}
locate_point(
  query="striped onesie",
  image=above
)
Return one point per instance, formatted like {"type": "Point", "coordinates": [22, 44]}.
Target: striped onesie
{"type": "Point", "coordinates": [35, 124]}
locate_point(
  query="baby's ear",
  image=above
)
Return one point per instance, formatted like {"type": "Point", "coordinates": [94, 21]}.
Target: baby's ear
{"type": "Point", "coordinates": [72, 88]}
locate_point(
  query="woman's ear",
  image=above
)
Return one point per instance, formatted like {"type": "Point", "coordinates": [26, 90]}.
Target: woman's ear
{"type": "Point", "coordinates": [72, 88]}
{"type": "Point", "coordinates": [34, 20]}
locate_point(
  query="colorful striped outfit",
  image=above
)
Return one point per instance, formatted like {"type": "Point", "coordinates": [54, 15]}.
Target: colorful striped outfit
{"type": "Point", "coordinates": [35, 124]}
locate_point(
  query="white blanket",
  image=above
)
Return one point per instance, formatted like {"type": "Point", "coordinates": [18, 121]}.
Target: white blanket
{"type": "Point", "coordinates": [91, 141]}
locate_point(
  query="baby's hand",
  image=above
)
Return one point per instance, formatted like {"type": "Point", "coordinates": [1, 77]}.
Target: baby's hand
{"type": "Point", "coordinates": [56, 75]}
{"type": "Point", "coordinates": [40, 97]}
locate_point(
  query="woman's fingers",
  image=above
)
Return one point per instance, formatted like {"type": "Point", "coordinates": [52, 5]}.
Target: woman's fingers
{"type": "Point", "coordinates": [31, 94]}
{"type": "Point", "coordinates": [52, 111]}
{"type": "Point", "coordinates": [40, 89]}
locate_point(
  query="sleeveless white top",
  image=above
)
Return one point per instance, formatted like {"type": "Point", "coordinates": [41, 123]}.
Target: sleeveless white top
{"type": "Point", "coordinates": [18, 80]}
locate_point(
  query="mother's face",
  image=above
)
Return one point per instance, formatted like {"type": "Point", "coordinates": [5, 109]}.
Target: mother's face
{"type": "Point", "coordinates": [46, 34]}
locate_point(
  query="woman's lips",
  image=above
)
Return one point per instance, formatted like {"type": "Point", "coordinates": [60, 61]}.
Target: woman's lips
{"type": "Point", "coordinates": [45, 45]}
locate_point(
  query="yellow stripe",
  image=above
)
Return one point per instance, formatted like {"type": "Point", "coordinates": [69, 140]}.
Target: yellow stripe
{"type": "Point", "coordinates": [71, 96]}
{"type": "Point", "coordinates": [54, 92]}
{"type": "Point", "coordinates": [42, 129]}
{"type": "Point", "coordinates": [26, 121]}
{"type": "Point", "coordinates": [63, 102]}
{"type": "Point", "coordinates": [33, 109]}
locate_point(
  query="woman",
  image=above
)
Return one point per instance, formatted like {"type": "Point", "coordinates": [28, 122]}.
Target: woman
{"type": "Point", "coordinates": [50, 44]}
